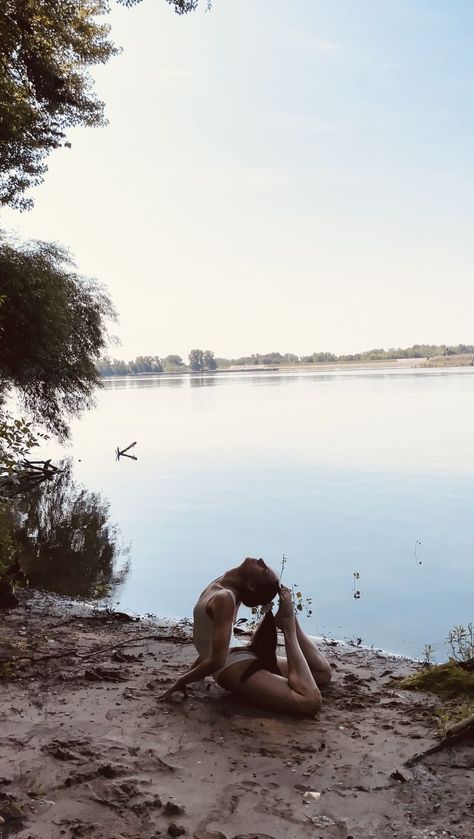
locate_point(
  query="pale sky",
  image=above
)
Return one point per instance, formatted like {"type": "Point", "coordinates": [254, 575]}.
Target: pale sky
{"type": "Point", "coordinates": [292, 175]}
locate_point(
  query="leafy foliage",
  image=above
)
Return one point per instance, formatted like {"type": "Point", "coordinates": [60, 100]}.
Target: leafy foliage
{"type": "Point", "coordinates": [142, 364]}
{"type": "Point", "coordinates": [173, 361]}
{"type": "Point", "coordinates": [181, 7]}
{"type": "Point", "coordinates": [299, 602]}
{"type": "Point", "coordinates": [200, 360]}
{"type": "Point", "coordinates": [460, 640]}
{"type": "Point", "coordinates": [209, 360]}
{"type": "Point", "coordinates": [205, 359]}
{"type": "Point", "coordinates": [196, 360]}
{"type": "Point", "coordinates": [44, 84]}
{"type": "Point", "coordinates": [52, 331]}
{"type": "Point", "coordinates": [16, 441]}
{"type": "Point", "coordinates": [45, 87]}
{"type": "Point", "coordinates": [415, 351]}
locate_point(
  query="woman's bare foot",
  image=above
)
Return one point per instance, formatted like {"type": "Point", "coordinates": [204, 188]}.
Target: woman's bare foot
{"type": "Point", "coordinates": [284, 616]}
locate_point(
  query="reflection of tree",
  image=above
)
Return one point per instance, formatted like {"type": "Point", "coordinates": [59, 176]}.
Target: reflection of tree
{"type": "Point", "coordinates": [202, 381]}
{"type": "Point", "coordinates": [128, 383]}
{"type": "Point", "coordinates": [66, 541]}
{"type": "Point", "coordinates": [7, 545]}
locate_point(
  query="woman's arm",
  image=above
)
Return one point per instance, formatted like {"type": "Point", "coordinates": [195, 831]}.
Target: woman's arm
{"type": "Point", "coordinates": [223, 616]}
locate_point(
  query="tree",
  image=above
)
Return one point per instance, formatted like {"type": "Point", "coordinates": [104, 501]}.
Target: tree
{"type": "Point", "coordinates": [45, 87]}
{"type": "Point", "coordinates": [53, 326]}
{"type": "Point", "coordinates": [44, 84]}
{"type": "Point", "coordinates": [173, 361]}
{"type": "Point", "coordinates": [181, 7]}
{"type": "Point", "coordinates": [321, 357]}
{"type": "Point", "coordinates": [196, 360]}
{"type": "Point", "coordinates": [209, 361]}
{"type": "Point", "coordinates": [146, 364]}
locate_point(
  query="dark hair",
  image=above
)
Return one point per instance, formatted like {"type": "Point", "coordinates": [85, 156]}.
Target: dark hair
{"type": "Point", "coordinates": [263, 644]}
{"type": "Point", "coordinates": [264, 593]}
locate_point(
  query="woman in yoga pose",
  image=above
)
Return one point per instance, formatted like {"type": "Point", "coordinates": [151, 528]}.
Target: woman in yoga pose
{"type": "Point", "coordinates": [254, 672]}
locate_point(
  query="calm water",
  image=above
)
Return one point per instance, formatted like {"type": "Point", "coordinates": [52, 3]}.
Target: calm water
{"type": "Point", "coordinates": [342, 472]}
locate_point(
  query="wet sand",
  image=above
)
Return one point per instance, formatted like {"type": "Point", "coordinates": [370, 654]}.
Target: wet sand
{"type": "Point", "coordinates": [86, 749]}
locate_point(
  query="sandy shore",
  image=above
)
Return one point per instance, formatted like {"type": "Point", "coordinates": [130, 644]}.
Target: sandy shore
{"type": "Point", "coordinates": [86, 750]}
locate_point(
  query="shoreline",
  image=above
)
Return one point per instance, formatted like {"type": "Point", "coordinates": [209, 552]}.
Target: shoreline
{"type": "Point", "coordinates": [451, 363]}
{"type": "Point", "coordinates": [86, 749]}
{"type": "Point", "coordinates": [93, 606]}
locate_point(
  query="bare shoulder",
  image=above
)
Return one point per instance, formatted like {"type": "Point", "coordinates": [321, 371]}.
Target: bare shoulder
{"type": "Point", "coordinates": [221, 603]}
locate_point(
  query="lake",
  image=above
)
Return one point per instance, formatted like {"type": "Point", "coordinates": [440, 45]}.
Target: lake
{"type": "Point", "coordinates": [367, 472]}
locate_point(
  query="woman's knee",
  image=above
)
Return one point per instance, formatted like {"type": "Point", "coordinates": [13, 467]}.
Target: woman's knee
{"type": "Point", "coordinates": [323, 676]}
{"type": "Point", "coordinates": [308, 705]}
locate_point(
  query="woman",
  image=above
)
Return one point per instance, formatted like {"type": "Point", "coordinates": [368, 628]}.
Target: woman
{"type": "Point", "coordinates": [289, 685]}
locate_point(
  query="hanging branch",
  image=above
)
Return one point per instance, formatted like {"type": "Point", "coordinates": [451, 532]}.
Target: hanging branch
{"type": "Point", "coordinates": [26, 476]}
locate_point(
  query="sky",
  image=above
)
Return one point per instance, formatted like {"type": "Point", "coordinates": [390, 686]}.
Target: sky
{"type": "Point", "coordinates": [276, 176]}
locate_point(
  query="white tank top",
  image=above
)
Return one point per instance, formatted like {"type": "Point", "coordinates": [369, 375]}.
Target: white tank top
{"type": "Point", "coordinates": [203, 629]}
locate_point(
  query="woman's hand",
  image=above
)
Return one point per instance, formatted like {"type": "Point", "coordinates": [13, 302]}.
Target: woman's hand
{"type": "Point", "coordinates": [180, 685]}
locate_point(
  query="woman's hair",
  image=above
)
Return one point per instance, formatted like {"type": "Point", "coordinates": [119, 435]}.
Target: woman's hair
{"type": "Point", "coordinates": [263, 644]}
{"type": "Point", "coordinates": [263, 593]}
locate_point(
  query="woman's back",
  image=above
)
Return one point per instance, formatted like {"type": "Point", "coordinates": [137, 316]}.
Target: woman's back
{"type": "Point", "coordinates": [203, 629]}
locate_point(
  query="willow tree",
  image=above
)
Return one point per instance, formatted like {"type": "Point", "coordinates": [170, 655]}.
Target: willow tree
{"type": "Point", "coordinates": [53, 328]}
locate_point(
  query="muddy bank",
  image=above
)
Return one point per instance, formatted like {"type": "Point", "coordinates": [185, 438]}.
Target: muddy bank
{"type": "Point", "coordinates": [86, 749]}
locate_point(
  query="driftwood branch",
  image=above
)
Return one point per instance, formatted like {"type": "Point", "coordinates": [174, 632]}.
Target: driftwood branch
{"type": "Point", "coordinates": [456, 733]}
{"type": "Point", "coordinates": [74, 653]}
{"type": "Point", "coordinates": [123, 452]}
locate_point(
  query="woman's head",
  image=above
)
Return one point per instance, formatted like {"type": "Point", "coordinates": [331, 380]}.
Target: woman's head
{"type": "Point", "coordinates": [259, 582]}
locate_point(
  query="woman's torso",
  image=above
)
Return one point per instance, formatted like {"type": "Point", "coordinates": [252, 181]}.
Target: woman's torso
{"type": "Point", "coordinates": [203, 629]}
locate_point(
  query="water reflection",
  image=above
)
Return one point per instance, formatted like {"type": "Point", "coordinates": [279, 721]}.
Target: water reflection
{"type": "Point", "coordinates": [274, 378]}
{"type": "Point", "coordinates": [65, 540]}
{"type": "Point", "coordinates": [133, 382]}
{"type": "Point", "coordinates": [202, 380]}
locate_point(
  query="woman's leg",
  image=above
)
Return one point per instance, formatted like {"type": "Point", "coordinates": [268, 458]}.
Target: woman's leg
{"type": "Point", "coordinates": [297, 694]}
{"type": "Point", "coordinates": [319, 666]}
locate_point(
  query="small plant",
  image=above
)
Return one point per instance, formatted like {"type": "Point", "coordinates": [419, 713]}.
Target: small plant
{"type": "Point", "coordinates": [448, 716]}
{"type": "Point", "coordinates": [428, 654]}
{"type": "Point", "coordinates": [460, 640]}
{"type": "Point", "coordinates": [101, 590]}
{"type": "Point", "coordinates": [300, 603]}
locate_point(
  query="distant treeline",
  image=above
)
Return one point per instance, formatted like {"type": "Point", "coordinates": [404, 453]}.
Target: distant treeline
{"type": "Point", "coordinates": [204, 360]}
{"type": "Point", "coordinates": [199, 360]}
